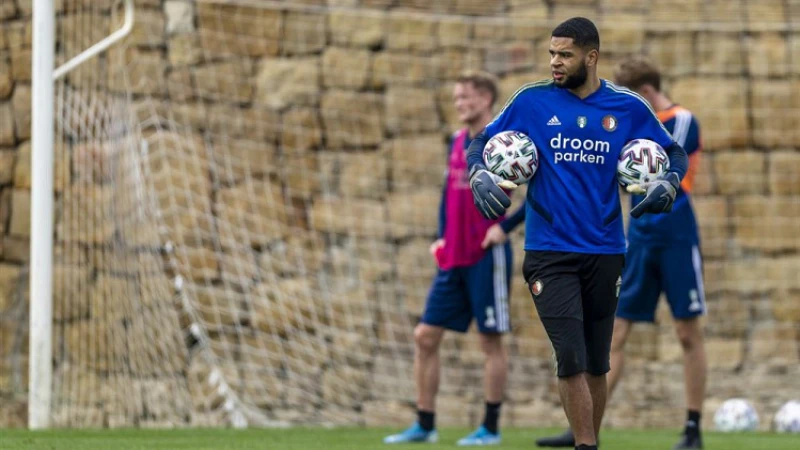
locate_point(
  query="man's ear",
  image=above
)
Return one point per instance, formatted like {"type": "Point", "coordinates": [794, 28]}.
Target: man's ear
{"type": "Point", "coordinates": [647, 91]}
{"type": "Point", "coordinates": [592, 56]}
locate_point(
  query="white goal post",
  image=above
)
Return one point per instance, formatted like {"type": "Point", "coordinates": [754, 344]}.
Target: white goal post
{"type": "Point", "coordinates": [43, 77]}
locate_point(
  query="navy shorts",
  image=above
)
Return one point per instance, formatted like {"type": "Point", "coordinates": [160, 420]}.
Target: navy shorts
{"type": "Point", "coordinates": [650, 270]}
{"type": "Point", "coordinates": [480, 291]}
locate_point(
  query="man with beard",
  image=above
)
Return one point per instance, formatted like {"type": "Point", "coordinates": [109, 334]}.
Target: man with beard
{"type": "Point", "coordinates": [474, 259]}
{"type": "Point", "coordinates": [574, 237]}
{"type": "Point", "coordinates": [663, 255]}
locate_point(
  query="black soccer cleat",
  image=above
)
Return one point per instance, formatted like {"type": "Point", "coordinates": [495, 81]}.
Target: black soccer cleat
{"type": "Point", "coordinates": [565, 440]}
{"type": "Point", "coordinates": [689, 442]}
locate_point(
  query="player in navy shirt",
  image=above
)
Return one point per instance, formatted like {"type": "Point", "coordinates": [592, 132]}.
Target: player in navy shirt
{"type": "Point", "coordinates": [664, 256]}
{"type": "Point", "coordinates": [574, 237]}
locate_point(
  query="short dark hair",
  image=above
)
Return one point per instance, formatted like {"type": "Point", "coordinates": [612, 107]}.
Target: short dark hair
{"type": "Point", "coordinates": [482, 81]}
{"type": "Point", "coordinates": [637, 71]}
{"type": "Point", "coordinates": [582, 31]}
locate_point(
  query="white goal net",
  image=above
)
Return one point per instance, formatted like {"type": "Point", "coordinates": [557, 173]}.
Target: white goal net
{"type": "Point", "coordinates": [246, 192]}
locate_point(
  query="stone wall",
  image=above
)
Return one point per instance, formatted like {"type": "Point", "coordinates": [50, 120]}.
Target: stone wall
{"type": "Point", "coordinates": [345, 94]}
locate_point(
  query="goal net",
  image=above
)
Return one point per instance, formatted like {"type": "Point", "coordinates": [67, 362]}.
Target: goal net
{"type": "Point", "coordinates": [246, 192]}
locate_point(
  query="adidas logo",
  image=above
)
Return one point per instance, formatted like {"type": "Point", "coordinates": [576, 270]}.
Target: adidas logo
{"type": "Point", "coordinates": [553, 121]}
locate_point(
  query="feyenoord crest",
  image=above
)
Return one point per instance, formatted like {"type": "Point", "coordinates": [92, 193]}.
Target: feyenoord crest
{"type": "Point", "coordinates": [537, 287]}
{"type": "Point", "coordinates": [581, 121]}
{"type": "Point", "coordinates": [609, 123]}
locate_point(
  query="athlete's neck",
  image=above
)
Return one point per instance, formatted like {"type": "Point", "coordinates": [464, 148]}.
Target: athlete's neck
{"type": "Point", "coordinates": [661, 102]}
{"type": "Point", "coordinates": [476, 126]}
{"type": "Point", "coordinates": [588, 88]}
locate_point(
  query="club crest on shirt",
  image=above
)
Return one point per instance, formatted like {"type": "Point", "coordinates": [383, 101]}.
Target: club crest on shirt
{"type": "Point", "coordinates": [609, 123]}
{"type": "Point", "coordinates": [581, 121]}
{"type": "Point", "coordinates": [537, 287]}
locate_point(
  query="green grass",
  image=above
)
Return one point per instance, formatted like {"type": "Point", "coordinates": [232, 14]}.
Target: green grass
{"type": "Point", "coordinates": [350, 439]}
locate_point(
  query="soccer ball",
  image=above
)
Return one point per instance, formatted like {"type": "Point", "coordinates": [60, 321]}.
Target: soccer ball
{"type": "Point", "coordinates": [736, 414]}
{"type": "Point", "coordinates": [640, 161]}
{"type": "Point", "coordinates": [512, 156]}
{"type": "Point", "coordinates": [787, 419]}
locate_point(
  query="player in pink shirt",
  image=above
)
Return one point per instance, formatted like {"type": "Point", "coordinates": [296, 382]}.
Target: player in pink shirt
{"type": "Point", "coordinates": [475, 263]}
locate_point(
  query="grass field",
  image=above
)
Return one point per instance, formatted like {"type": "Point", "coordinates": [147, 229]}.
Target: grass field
{"type": "Point", "coordinates": [350, 439]}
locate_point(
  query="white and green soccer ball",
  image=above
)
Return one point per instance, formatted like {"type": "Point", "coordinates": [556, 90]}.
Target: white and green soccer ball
{"type": "Point", "coordinates": [736, 414]}
{"type": "Point", "coordinates": [787, 419]}
{"type": "Point", "coordinates": [640, 161]}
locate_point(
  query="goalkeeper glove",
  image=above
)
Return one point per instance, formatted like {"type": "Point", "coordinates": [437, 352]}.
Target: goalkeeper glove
{"type": "Point", "coordinates": [659, 195]}
{"type": "Point", "coordinates": [489, 198]}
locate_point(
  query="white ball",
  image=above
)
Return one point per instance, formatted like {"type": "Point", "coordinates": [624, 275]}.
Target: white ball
{"type": "Point", "coordinates": [512, 156]}
{"type": "Point", "coordinates": [736, 414]}
{"type": "Point", "coordinates": [787, 419]}
{"type": "Point", "coordinates": [640, 161]}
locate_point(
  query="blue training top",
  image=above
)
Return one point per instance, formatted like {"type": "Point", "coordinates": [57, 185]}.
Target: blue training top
{"type": "Point", "coordinates": [573, 200]}
{"type": "Point", "coordinates": [680, 225]}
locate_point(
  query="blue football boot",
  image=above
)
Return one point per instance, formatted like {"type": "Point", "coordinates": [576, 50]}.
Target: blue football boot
{"type": "Point", "coordinates": [415, 433]}
{"type": "Point", "coordinates": [481, 436]}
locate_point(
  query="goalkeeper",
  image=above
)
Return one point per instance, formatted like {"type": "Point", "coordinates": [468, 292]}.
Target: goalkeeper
{"type": "Point", "coordinates": [574, 238]}
{"type": "Point", "coordinates": [663, 255]}
{"type": "Point", "coordinates": [474, 259]}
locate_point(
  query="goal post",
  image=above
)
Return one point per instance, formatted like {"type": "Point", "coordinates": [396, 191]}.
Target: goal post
{"type": "Point", "coordinates": [41, 272]}
{"type": "Point", "coordinates": [43, 77]}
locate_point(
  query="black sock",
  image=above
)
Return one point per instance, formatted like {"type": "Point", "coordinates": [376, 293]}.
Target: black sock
{"type": "Point", "coordinates": [426, 419]}
{"type": "Point", "coordinates": [586, 447]}
{"type": "Point", "coordinates": [492, 416]}
{"type": "Point", "coordinates": [692, 423]}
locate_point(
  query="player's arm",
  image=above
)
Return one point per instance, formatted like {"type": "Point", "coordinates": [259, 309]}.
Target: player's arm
{"type": "Point", "coordinates": [475, 150]}
{"type": "Point", "coordinates": [678, 160]}
{"type": "Point", "coordinates": [509, 223]}
{"type": "Point", "coordinates": [439, 242]}
{"type": "Point", "coordinates": [693, 145]}
{"type": "Point", "coordinates": [443, 202]}
{"type": "Point", "coordinates": [442, 212]}
{"type": "Point", "coordinates": [659, 194]}
{"type": "Point", "coordinates": [489, 198]}
{"type": "Point", "coordinates": [498, 233]}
